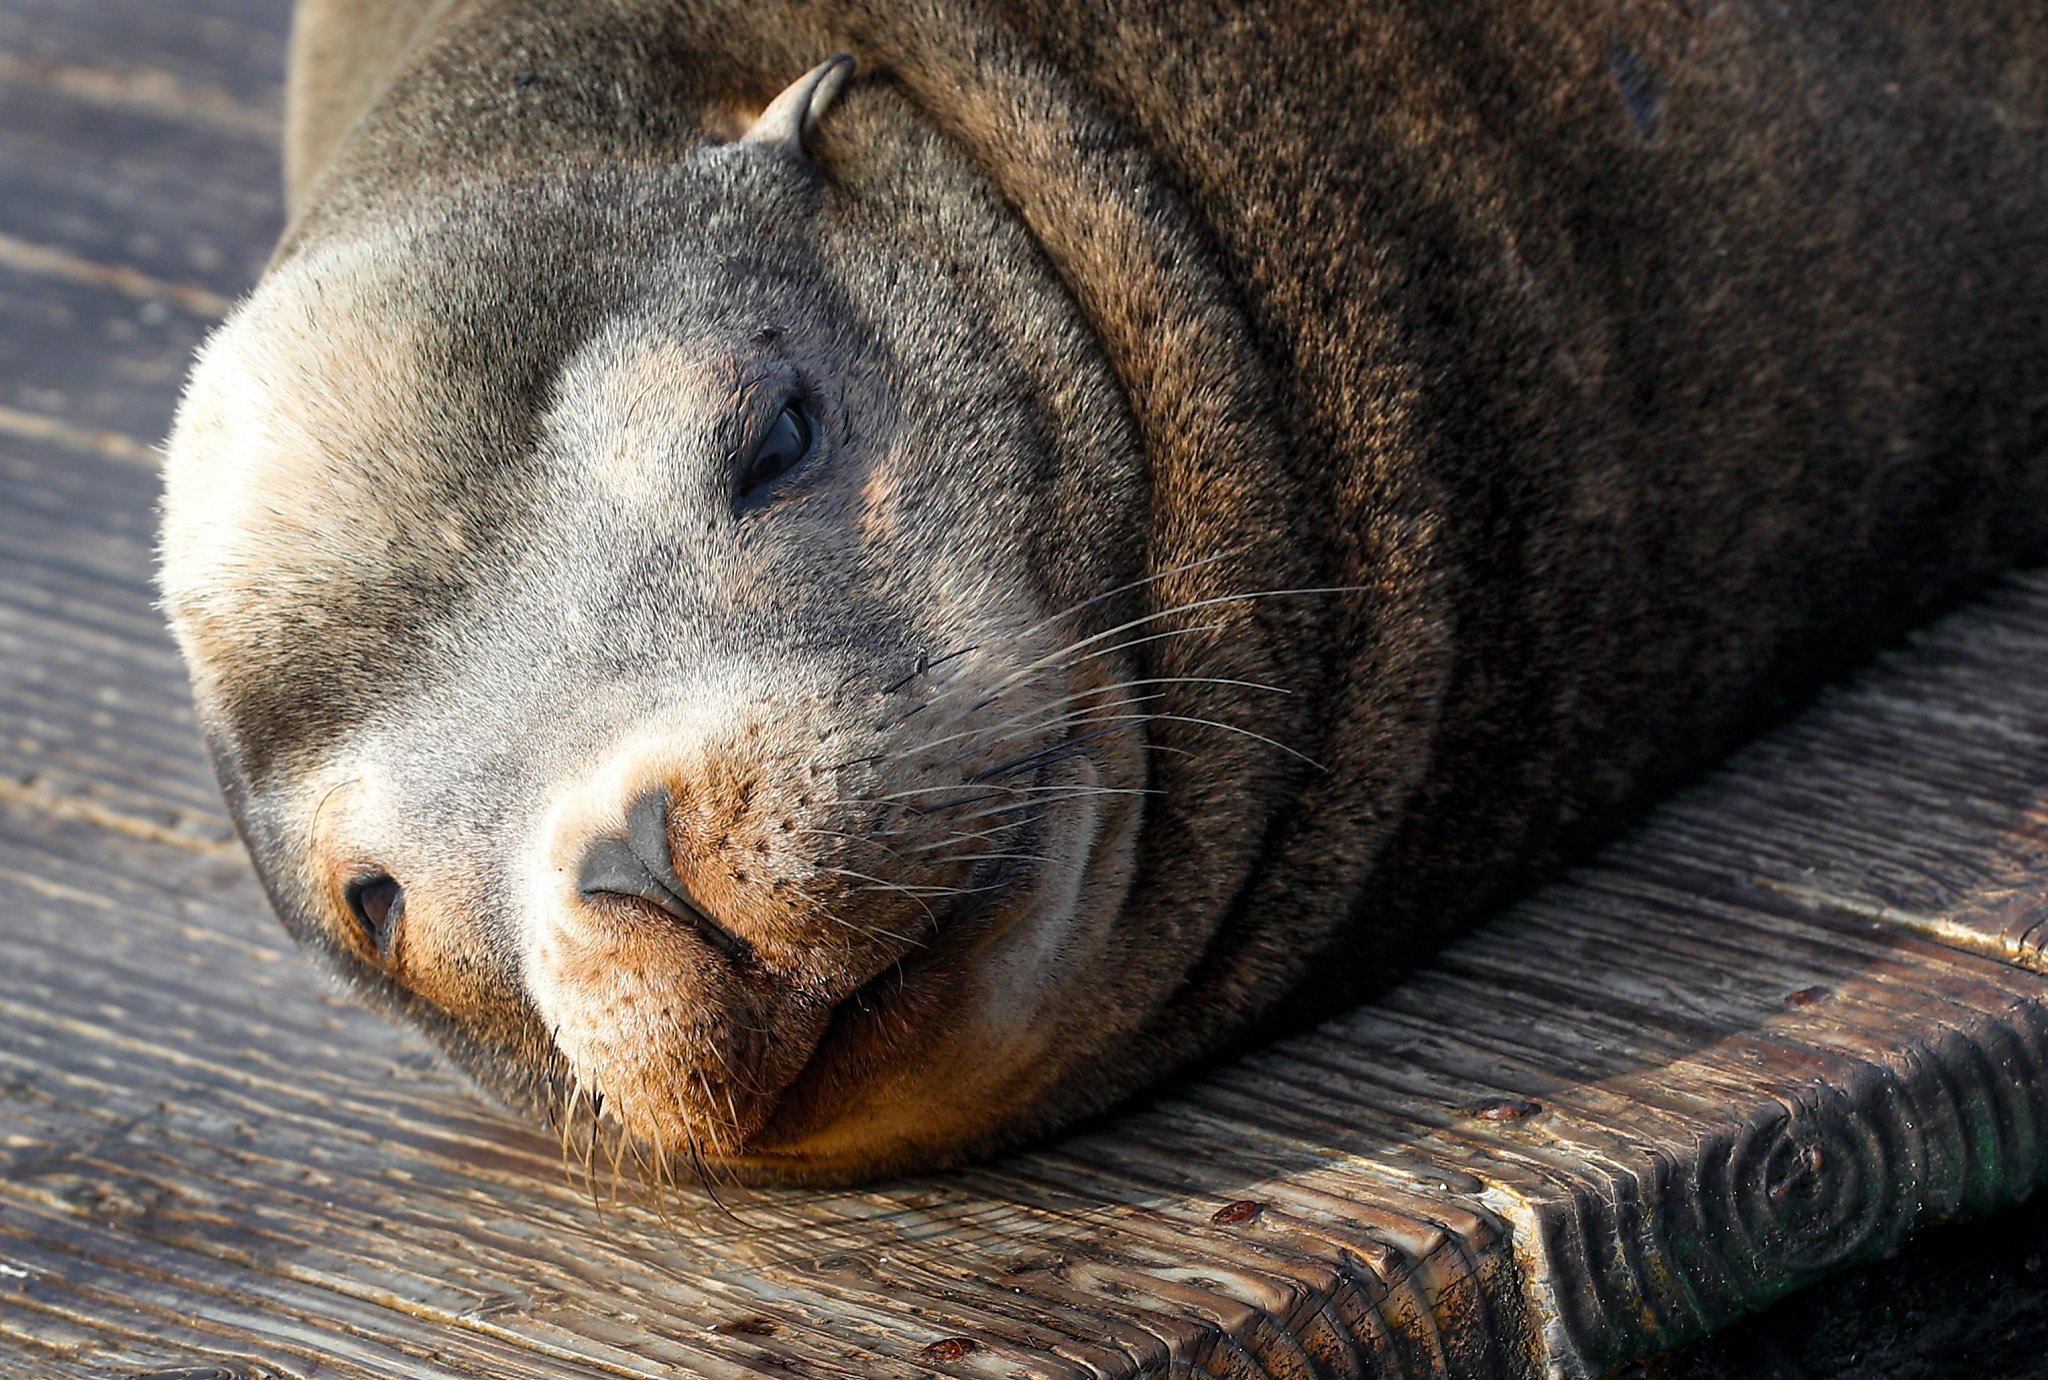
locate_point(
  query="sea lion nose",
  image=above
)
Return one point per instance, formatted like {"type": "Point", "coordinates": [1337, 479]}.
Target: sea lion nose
{"type": "Point", "coordinates": [639, 863]}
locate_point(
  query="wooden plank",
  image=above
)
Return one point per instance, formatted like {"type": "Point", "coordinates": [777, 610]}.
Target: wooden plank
{"type": "Point", "coordinates": [151, 205]}
{"type": "Point", "coordinates": [1701, 1146]}
{"type": "Point", "coordinates": [82, 1296]}
{"type": "Point", "coordinates": [141, 144]}
{"type": "Point", "coordinates": [216, 63]}
{"type": "Point", "coordinates": [1916, 797]}
{"type": "Point", "coordinates": [92, 355]}
{"type": "Point", "coordinates": [139, 187]}
{"type": "Point", "coordinates": [94, 716]}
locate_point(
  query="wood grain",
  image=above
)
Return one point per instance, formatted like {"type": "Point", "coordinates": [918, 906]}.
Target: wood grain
{"type": "Point", "coordinates": [213, 65]}
{"type": "Point", "coordinates": [93, 716]}
{"type": "Point", "coordinates": [1790, 1021]}
{"type": "Point", "coordinates": [1653, 1191]}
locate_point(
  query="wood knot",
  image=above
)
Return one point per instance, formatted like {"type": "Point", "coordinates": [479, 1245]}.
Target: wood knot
{"type": "Point", "coordinates": [951, 1349]}
{"type": "Point", "coordinates": [1235, 1214]}
{"type": "Point", "coordinates": [1807, 996]}
{"type": "Point", "coordinates": [1798, 1172]}
{"type": "Point", "coordinates": [1507, 1109]}
{"type": "Point", "coordinates": [1814, 1186]}
{"type": "Point", "coordinates": [1049, 1262]}
{"type": "Point", "coordinates": [748, 1327]}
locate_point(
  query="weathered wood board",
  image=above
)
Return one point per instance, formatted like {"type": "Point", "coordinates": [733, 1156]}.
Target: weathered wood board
{"type": "Point", "coordinates": [1797, 1016]}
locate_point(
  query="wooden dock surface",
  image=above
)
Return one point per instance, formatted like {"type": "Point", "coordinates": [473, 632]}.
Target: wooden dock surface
{"type": "Point", "coordinates": [1795, 1018]}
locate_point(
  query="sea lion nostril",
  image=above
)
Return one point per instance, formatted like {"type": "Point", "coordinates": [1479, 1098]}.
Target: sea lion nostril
{"type": "Point", "coordinates": [639, 864]}
{"type": "Point", "coordinates": [377, 902]}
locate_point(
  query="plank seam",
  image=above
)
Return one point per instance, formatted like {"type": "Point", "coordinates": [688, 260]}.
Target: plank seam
{"type": "Point", "coordinates": [27, 795]}
{"type": "Point", "coordinates": [37, 426]}
{"type": "Point", "coordinates": [146, 90]}
{"type": "Point", "coordinates": [48, 261]}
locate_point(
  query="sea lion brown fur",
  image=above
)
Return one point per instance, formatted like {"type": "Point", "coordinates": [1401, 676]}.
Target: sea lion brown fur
{"type": "Point", "coordinates": [831, 632]}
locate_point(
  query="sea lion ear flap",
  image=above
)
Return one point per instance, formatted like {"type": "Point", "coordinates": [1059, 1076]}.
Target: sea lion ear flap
{"type": "Point", "coordinates": [793, 116]}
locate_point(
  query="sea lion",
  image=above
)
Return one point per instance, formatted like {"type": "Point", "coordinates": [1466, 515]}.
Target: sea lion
{"type": "Point", "coordinates": [832, 631]}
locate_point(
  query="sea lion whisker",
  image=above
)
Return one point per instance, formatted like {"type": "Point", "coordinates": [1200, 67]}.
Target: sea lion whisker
{"type": "Point", "coordinates": [894, 796]}
{"type": "Point", "coordinates": [1211, 601]}
{"type": "Point", "coordinates": [980, 733]}
{"type": "Point", "coordinates": [1235, 728]}
{"type": "Point", "coordinates": [991, 695]}
{"type": "Point", "coordinates": [959, 836]}
{"type": "Point", "coordinates": [583, 1124]}
{"type": "Point", "coordinates": [1115, 723]}
{"type": "Point", "coordinates": [1029, 629]}
{"type": "Point", "coordinates": [1052, 666]}
{"type": "Point", "coordinates": [618, 1146]}
{"type": "Point", "coordinates": [1094, 599]}
{"type": "Point", "coordinates": [571, 1095]}
{"type": "Point", "coordinates": [853, 838]}
{"type": "Point", "coordinates": [1190, 606]}
{"type": "Point", "coordinates": [937, 891]}
{"type": "Point", "coordinates": [1076, 793]}
{"type": "Point", "coordinates": [1014, 805]}
{"type": "Point", "coordinates": [885, 884]}
{"type": "Point", "coordinates": [1052, 791]}
{"type": "Point", "coordinates": [925, 666]}
{"type": "Point", "coordinates": [655, 1183]}
{"type": "Point", "coordinates": [1138, 682]}
{"type": "Point", "coordinates": [995, 790]}
{"type": "Point", "coordinates": [562, 1132]}
{"type": "Point", "coordinates": [1196, 564]}
{"type": "Point", "coordinates": [1059, 751]}
{"type": "Point", "coordinates": [857, 761]}
{"type": "Point", "coordinates": [1081, 715]}
{"type": "Point", "coordinates": [978, 730]}
{"type": "Point", "coordinates": [989, 857]}
{"type": "Point", "coordinates": [589, 1164]}
{"type": "Point", "coordinates": [857, 875]}
{"type": "Point", "coordinates": [313, 825]}
{"type": "Point", "coordinates": [1193, 629]}
{"type": "Point", "coordinates": [953, 787]}
{"type": "Point", "coordinates": [663, 1165]}
{"type": "Point", "coordinates": [697, 1158]}
{"type": "Point", "coordinates": [873, 932]}
{"type": "Point", "coordinates": [1195, 680]}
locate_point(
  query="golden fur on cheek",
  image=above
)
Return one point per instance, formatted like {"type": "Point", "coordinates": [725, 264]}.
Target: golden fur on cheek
{"type": "Point", "coordinates": [437, 952]}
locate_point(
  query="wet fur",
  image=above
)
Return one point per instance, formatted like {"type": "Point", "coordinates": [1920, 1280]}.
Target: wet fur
{"type": "Point", "coordinates": [1632, 368]}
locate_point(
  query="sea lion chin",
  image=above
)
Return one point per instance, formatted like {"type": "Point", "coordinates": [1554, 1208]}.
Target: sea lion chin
{"type": "Point", "coordinates": [825, 619]}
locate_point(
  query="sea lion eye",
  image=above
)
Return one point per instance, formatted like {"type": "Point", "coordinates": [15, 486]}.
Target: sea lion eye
{"type": "Point", "coordinates": [378, 903]}
{"type": "Point", "coordinates": [781, 449]}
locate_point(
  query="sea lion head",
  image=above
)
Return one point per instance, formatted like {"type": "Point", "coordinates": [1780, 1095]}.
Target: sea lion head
{"type": "Point", "coordinates": [660, 626]}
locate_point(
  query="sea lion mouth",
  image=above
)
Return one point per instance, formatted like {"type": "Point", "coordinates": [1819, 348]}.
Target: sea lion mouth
{"type": "Point", "coordinates": [875, 1025]}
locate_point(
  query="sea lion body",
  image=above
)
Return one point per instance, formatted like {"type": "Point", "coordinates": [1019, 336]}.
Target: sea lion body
{"type": "Point", "coordinates": [1295, 475]}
